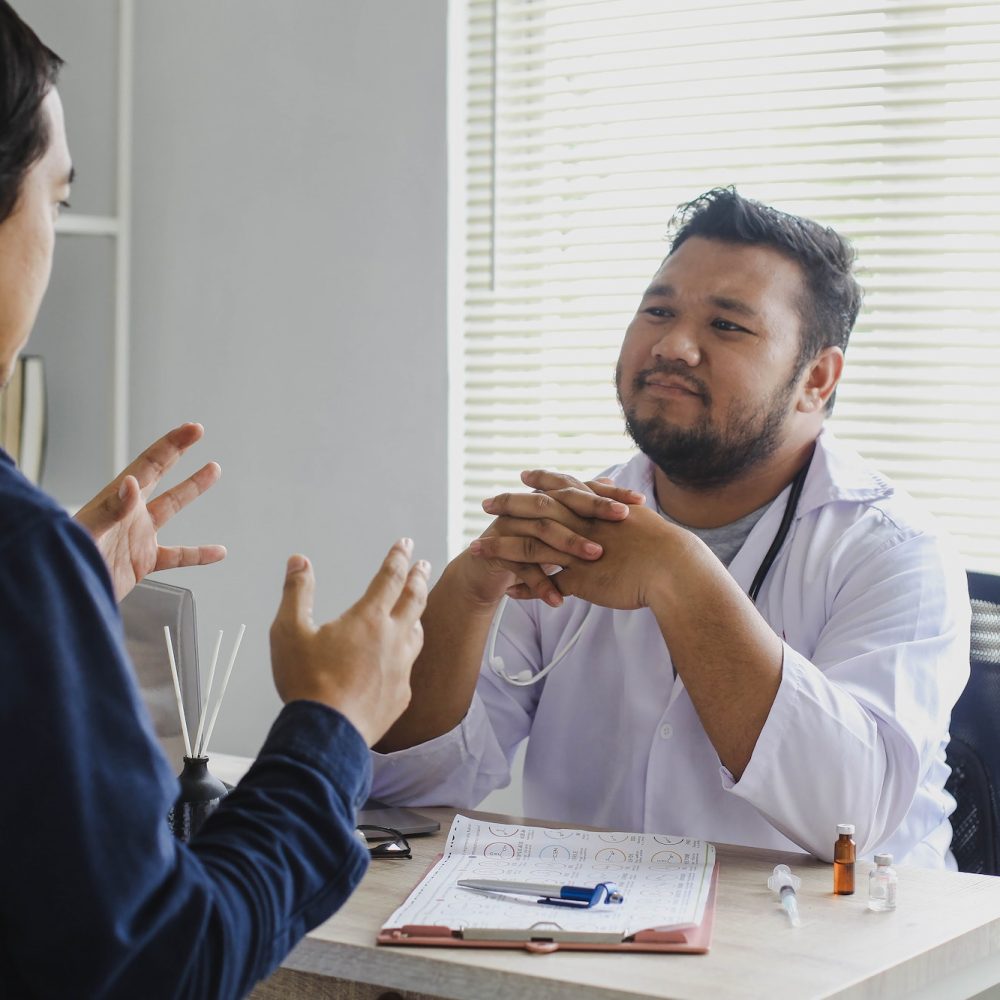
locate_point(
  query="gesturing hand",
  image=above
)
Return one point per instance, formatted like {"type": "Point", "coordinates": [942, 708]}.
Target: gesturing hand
{"type": "Point", "coordinates": [359, 663]}
{"type": "Point", "coordinates": [123, 522]}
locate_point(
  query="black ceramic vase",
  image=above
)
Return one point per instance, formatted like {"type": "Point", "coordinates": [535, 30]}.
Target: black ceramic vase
{"type": "Point", "coordinates": [200, 793]}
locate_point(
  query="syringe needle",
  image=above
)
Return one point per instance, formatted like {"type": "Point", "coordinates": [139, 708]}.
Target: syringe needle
{"type": "Point", "coordinates": [790, 905]}
{"type": "Point", "coordinates": [784, 883]}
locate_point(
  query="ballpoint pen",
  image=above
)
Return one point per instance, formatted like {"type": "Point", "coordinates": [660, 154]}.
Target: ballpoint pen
{"type": "Point", "coordinates": [555, 895]}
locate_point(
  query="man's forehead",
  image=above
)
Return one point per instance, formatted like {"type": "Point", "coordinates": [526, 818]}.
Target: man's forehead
{"type": "Point", "coordinates": [750, 274]}
{"type": "Point", "coordinates": [57, 154]}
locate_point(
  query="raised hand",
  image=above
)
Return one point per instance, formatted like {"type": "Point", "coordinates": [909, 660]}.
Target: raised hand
{"type": "Point", "coordinates": [359, 663]}
{"type": "Point", "coordinates": [123, 522]}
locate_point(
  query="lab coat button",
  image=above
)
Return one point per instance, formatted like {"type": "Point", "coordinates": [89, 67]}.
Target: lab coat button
{"type": "Point", "coordinates": [666, 731]}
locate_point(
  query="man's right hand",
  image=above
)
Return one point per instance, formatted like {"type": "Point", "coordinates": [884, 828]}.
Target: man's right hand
{"type": "Point", "coordinates": [536, 533]}
{"type": "Point", "coordinates": [359, 663]}
{"type": "Point", "coordinates": [532, 531]}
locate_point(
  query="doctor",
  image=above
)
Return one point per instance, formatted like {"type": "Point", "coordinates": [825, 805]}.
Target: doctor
{"type": "Point", "coordinates": [754, 636]}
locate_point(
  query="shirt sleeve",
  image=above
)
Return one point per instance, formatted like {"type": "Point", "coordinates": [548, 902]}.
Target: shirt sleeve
{"type": "Point", "coordinates": [98, 899]}
{"type": "Point", "coordinates": [855, 727]}
{"type": "Point", "coordinates": [461, 767]}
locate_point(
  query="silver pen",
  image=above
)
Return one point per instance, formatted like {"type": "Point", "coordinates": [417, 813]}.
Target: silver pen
{"type": "Point", "coordinates": [555, 895]}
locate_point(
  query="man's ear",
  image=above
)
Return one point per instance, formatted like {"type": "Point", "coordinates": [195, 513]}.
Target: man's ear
{"type": "Point", "coordinates": [822, 376]}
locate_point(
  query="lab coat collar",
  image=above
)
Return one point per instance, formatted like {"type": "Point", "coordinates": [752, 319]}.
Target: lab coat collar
{"type": "Point", "coordinates": [839, 473]}
{"type": "Point", "coordinates": [835, 473]}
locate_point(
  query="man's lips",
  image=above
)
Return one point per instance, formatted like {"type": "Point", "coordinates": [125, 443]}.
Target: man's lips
{"type": "Point", "coordinates": [670, 386]}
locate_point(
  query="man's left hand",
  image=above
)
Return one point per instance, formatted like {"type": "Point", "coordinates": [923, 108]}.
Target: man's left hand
{"type": "Point", "coordinates": [636, 552]}
{"type": "Point", "coordinates": [124, 523]}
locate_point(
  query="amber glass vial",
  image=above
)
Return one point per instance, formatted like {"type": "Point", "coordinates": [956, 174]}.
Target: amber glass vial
{"type": "Point", "coordinates": [843, 860]}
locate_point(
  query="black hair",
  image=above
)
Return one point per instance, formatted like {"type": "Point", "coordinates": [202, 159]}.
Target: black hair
{"type": "Point", "coordinates": [28, 70]}
{"type": "Point", "coordinates": [833, 296]}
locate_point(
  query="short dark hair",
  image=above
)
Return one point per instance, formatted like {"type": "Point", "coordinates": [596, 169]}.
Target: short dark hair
{"type": "Point", "coordinates": [826, 259]}
{"type": "Point", "coordinates": [28, 71]}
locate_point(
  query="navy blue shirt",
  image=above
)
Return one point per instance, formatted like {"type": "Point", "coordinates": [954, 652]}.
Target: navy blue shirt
{"type": "Point", "coordinates": [97, 899]}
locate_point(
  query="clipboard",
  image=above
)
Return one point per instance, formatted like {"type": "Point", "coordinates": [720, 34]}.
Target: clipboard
{"type": "Point", "coordinates": [545, 936]}
{"type": "Point", "coordinates": [667, 886]}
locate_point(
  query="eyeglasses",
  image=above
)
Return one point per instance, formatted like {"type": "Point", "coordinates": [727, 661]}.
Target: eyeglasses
{"type": "Point", "coordinates": [394, 844]}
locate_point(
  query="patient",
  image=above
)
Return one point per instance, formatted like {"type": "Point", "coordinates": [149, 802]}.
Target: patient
{"type": "Point", "coordinates": [88, 863]}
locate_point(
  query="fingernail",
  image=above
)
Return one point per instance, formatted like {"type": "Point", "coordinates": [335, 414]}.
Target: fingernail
{"type": "Point", "coordinates": [554, 599]}
{"type": "Point", "coordinates": [592, 549]}
{"type": "Point", "coordinates": [122, 489]}
{"type": "Point", "coordinates": [488, 503]}
{"type": "Point", "coordinates": [424, 566]}
{"type": "Point", "coordinates": [296, 564]}
{"type": "Point", "coordinates": [475, 546]}
{"type": "Point", "coordinates": [407, 544]}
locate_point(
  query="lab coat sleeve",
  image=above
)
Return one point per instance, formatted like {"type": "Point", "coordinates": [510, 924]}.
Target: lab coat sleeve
{"type": "Point", "coordinates": [854, 728]}
{"type": "Point", "coordinates": [461, 767]}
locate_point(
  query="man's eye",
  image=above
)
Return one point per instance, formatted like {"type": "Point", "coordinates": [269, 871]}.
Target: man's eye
{"type": "Point", "coordinates": [658, 311]}
{"type": "Point", "coordinates": [725, 324]}
{"type": "Point", "coordinates": [65, 204]}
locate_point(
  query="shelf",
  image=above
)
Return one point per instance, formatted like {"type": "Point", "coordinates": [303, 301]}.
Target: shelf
{"type": "Point", "coordinates": [88, 225]}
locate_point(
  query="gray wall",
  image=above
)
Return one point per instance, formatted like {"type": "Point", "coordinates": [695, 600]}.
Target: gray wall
{"type": "Point", "coordinates": [288, 291]}
{"type": "Point", "coordinates": [289, 200]}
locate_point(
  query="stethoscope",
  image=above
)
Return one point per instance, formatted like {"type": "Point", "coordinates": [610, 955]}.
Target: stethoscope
{"type": "Point", "coordinates": [526, 677]}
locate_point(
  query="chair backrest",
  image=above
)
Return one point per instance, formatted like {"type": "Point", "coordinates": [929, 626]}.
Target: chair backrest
{"type": "Point", "coordinates": [145, 611]}
{"type": "Point", "coordinates": [974, 749]}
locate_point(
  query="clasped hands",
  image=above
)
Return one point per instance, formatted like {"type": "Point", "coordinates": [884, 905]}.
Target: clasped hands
{"type": "Point", "coordinates": [592, 540]}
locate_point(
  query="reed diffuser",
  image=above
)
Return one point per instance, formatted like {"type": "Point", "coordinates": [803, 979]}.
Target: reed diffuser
{"type": "Point", "coordinates": [200, 791]}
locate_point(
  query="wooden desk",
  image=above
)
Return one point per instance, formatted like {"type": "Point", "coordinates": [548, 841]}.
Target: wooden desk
{"type": "Point", "coordinates": [943, 941]}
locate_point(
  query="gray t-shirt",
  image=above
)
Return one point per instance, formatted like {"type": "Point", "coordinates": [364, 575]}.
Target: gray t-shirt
{"type": "Point", "coordinates": [726, 540]}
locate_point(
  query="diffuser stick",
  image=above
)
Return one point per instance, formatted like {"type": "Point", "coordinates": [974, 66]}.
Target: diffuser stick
{"type": "Point", "coordinates": [208, 695]}
{"type": "Point", "coordinates": [222, 691]}
{"type": "Point", "coordinates": [177, 690]}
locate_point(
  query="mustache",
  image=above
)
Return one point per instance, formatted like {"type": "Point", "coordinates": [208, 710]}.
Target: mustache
{"type": "Point", "coordinates": [678, 370]}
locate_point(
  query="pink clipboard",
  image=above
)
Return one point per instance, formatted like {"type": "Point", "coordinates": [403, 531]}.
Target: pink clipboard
{"type": "Point", "coordinates": [694, 940]}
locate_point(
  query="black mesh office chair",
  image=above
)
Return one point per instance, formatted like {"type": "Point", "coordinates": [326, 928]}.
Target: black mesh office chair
{"type": "Point", "coordinates": [974, 750]}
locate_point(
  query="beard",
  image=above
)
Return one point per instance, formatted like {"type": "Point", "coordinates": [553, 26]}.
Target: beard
{"type": "Point", "coordinates": [705, 456]}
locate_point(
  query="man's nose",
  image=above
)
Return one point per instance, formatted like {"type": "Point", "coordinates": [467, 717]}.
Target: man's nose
{"type": "Point", "coordinates": [678, 343]}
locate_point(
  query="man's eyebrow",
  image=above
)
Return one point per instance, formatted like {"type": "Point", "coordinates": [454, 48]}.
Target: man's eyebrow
{"type": "Point", "coordinates": [719, 301]}
{"type": "Point", "coordinates": [733, 305]}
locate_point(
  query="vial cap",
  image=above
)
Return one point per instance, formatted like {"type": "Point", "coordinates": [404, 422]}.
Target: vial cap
{"type": "Point", "coordinates": [883, 859]}
{"type": "Point", "coordinates": [847, 828]}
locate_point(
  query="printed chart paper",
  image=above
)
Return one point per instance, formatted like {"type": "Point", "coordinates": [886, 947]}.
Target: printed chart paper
{"type": "Point", "coordinates": [665, 880]}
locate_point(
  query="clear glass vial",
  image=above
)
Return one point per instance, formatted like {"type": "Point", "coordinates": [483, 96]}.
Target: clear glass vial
{"type": "Point", "coordinates": [882, 881]}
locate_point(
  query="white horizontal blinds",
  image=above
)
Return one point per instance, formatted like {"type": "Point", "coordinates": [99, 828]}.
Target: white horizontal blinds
{"type": "Point", "coordinates": [589, 122]}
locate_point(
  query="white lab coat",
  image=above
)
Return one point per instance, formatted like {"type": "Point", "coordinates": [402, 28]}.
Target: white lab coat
{"type": "Point", "coordinates": [873, 610]}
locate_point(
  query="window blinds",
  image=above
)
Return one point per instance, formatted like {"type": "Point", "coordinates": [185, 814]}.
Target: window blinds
{"type": "Point", "coordinates": [587, 123]}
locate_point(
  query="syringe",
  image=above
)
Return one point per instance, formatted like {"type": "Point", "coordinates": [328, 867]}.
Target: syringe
{"type": "Point", "coordinates": [784, 883]}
